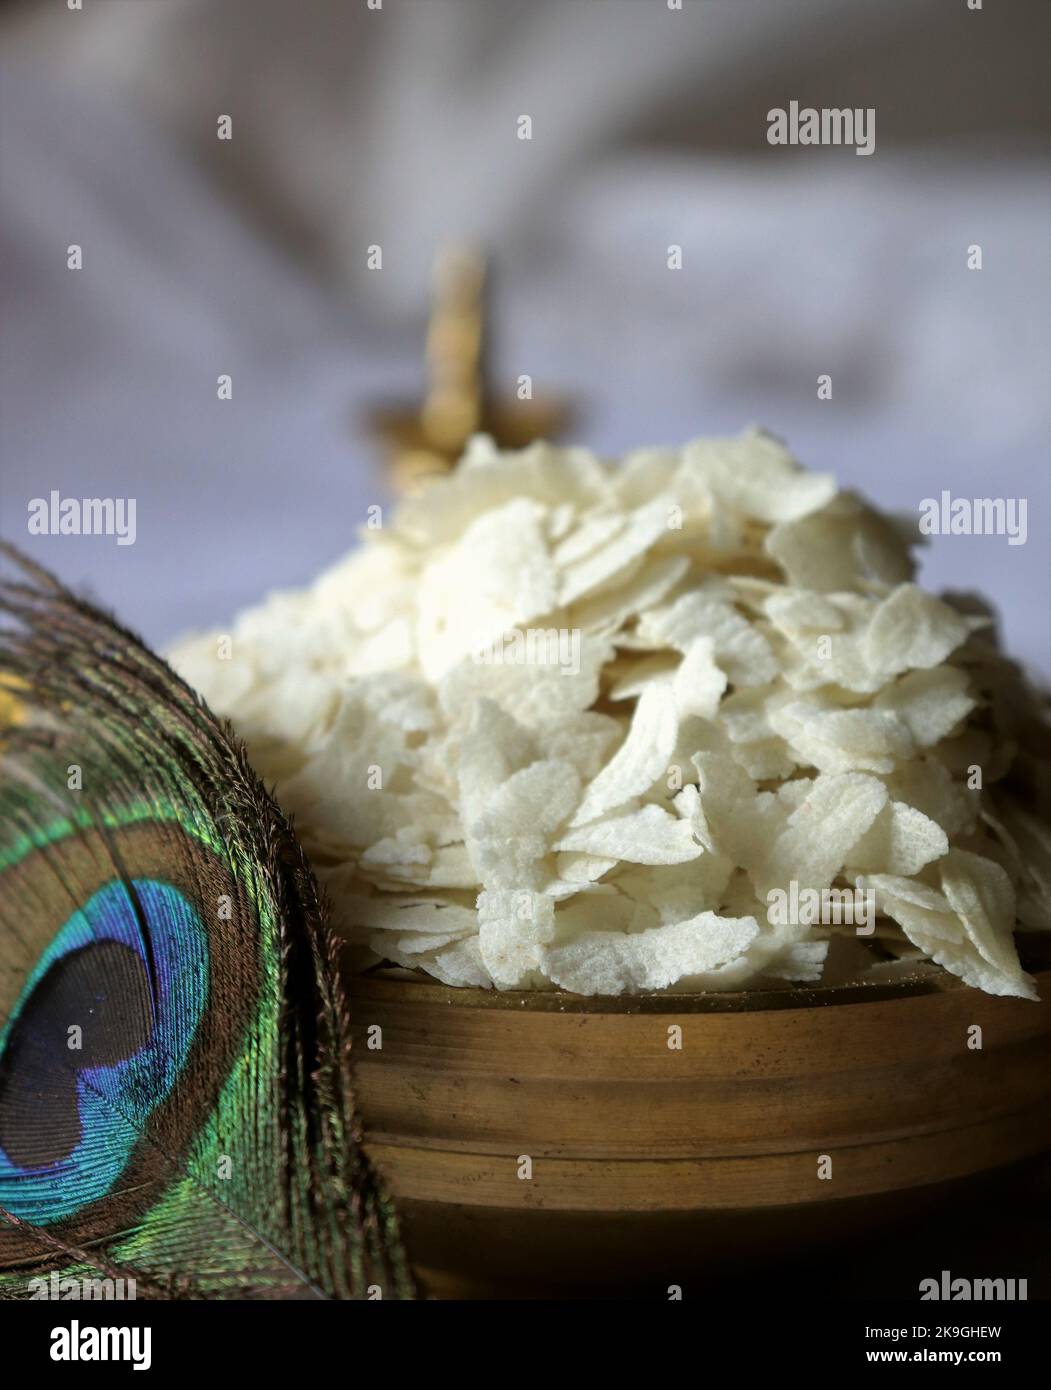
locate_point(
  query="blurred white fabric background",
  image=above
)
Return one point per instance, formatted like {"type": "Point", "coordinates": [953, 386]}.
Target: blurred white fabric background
{"type": "Point", "coordinates": [354, 126]}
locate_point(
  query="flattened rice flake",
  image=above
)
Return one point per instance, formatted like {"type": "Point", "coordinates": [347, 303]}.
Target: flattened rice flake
{"type": "Point", "coordinates": [568, 723]}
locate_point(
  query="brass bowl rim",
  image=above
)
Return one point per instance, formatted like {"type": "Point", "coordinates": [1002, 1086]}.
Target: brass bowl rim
{"type": "Point", "coordinates": [413, 987]}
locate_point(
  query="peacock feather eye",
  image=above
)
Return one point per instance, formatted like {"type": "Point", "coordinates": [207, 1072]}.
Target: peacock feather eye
{"type": "Point", "coordinates": [95, 1044]}
{"type": "Point", "coordinates": [176, 1102]}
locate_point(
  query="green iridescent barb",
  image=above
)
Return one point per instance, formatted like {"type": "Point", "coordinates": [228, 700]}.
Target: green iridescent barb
{"type": "Point", "coordinates": [176, 1100]}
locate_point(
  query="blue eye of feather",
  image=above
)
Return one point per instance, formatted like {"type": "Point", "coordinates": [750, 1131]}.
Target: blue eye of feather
{"type": "Point", "coordinates": [98, 1036]}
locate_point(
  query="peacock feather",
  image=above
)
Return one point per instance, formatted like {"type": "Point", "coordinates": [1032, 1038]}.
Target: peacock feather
{"type": "Point", "coordinates": [176, 1102]}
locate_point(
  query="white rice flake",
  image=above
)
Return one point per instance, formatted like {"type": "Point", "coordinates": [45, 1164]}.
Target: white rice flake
{"type": "Point", "coordinates": [563, 723]}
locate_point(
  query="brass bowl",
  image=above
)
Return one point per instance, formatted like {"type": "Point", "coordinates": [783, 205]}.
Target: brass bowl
{"type": "Point", "coordinates": [545, 1143]}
